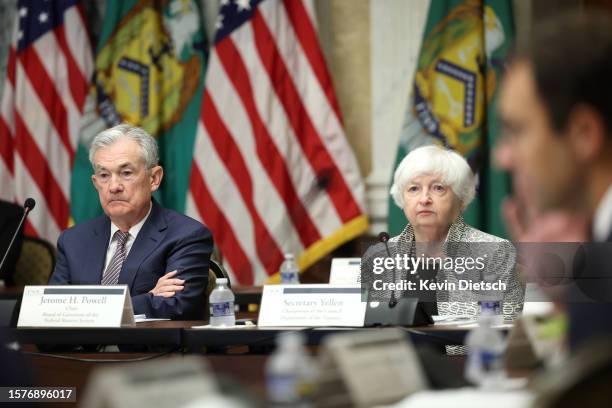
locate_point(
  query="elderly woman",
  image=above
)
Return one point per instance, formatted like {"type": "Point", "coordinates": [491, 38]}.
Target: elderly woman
{"type": "Point", "coordinates": [434, 186]}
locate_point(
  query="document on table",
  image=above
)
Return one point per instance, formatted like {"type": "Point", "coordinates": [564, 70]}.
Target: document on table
{"type": "Point", "coordinates": [468, 398]}
{"type": "Point", "coordinates": [139, 318]}
{"type": "Point", "coordinates": [236, 327]}
{"type": "Point", "coordinates": [453, 319]}
{"type": "Point", "coordinates": [463, 321]}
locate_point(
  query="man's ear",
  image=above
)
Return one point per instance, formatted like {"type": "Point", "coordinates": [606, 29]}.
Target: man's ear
{"type": "Point", "coordinates": [94, 181]}
{"type": "Point", "coordinates": [157, 174]}
{"type": "Point", "coordinates": [586, 132]}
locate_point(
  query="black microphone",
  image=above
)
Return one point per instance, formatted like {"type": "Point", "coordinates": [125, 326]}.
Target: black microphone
{"type": "Point", "coordinates": [384, 238]}
{"type": "Point", "coordinates": [27, 207]}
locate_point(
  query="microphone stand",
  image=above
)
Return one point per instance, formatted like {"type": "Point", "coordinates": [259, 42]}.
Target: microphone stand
{"type": "Point", "coordinates": [27, 207]}
{"type": "Point", "coordinates": [384, 238]}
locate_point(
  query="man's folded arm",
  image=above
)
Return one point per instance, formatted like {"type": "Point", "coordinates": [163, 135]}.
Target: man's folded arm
{"type": "Point", "coordinates": [190, 257]}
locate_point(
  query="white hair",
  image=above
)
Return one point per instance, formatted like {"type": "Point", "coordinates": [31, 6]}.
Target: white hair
{"type": "Point", "coordinates": [147, 143]}
{"type": "Point", "coordinates": [450, 166]}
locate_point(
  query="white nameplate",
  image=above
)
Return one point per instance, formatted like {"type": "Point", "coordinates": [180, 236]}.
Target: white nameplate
{"type": "Point", "coordinates": [311, 305]}
{"type": "Point", "coordinates": [76, 306]}
{"type": "Point", "coordinates": [345, 271]}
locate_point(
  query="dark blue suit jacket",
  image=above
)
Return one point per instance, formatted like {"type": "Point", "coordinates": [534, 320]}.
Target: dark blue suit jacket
{"type": "Point", "coordinates": [167, 241]}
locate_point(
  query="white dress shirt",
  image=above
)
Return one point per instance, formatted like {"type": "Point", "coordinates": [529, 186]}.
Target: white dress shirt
{"type": "Point", "coordinates": [112, 244]}
{"type": "Point", "coordinates": [602, 222]}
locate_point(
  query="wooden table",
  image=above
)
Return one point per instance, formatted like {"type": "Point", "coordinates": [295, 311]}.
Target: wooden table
{"type": "Point", "coordinates": [239, 354]}
{"type": "Point", "coordinates": [75, 369]}
{"type": "Point", "coordinates": [180, 334]}
{"type": "Point", "coordinates": [231, 359]}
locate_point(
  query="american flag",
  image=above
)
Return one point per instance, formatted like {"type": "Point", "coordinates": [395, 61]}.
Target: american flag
{"type": "Point", "coordinates": [44, 92]}
{"type": "Point", "coordinates": [272, 170]}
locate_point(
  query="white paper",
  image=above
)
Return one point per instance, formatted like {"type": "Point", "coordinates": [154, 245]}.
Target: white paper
{"type": "Point", "coordinates": [238, 327]}
{"type": "Point", "coordinates": [468, 398]}
{"type": "Point", "coordinates": [345, 271]}
{"type": "Point", "coordinates": [145, 319]}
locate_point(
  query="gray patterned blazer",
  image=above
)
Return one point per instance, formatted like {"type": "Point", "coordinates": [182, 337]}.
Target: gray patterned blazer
{"type": "Point", "coordinates": [500, 265]}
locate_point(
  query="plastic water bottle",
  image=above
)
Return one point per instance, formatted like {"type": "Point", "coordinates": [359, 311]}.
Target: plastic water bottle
{"type": "Point", "coordinates": [486, 346]}
{"type": "Point", "coordinates": [289, 272]}
{"type": "Point", "coordinates": [221, 303]}
{"type": "Point", "coordinates": [495, 308]}
{"type": "Point", "coordinates": [290, 373]}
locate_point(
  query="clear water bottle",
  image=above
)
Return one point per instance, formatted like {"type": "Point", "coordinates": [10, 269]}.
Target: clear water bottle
{"type": "Point", "coordinates": [484, 366]}
{"type": "Point", "coordinates": [290, 373]}
{"type": "Point", "coordinates": [495, 308]}
{"type": "Point", "coordinates": [289, 272]}
{"type": "Point", "coordinates": [221, 303]}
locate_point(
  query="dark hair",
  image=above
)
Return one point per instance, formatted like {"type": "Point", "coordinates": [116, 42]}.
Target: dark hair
{"type": "Point", "coordinates": [571, 58]}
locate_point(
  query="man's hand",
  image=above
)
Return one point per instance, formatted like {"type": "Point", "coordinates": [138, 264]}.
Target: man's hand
{"type": "Point", "coordinates": [554, 226]}
{"type": "Point", "coordinates": [545, 262]}
{"type": "Point", "coordinates": [167, 285]}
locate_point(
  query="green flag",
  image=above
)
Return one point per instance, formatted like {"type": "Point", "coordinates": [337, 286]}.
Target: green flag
{"type": "Point", "coordinates": [453, 98]}
{"type": "Point", "coordinates": [149, 72]}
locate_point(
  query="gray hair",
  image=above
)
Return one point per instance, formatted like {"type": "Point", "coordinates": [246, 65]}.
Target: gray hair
{"type": "Point", "coordinates": [147, 143]}
{"type": "Point", "coordinates": [452, 168]}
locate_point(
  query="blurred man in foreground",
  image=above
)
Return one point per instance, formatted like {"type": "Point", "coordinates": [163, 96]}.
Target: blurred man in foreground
{"type": "Point", "coordinates": [556, 108]}
{"type": "Point", "coordinates": [160, 254]}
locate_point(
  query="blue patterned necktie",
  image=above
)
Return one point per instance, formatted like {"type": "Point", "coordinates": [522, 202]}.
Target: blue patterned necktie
{"type": "Point", "coordinates": [111, 274]}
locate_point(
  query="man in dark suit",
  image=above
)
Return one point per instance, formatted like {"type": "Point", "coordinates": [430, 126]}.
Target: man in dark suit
{"type": "Point", "coordinates": [161, 255]}
{"type": "Point", "coordinates": [10, 215]}
{"type": "Point", "coordinates": [556, 108]}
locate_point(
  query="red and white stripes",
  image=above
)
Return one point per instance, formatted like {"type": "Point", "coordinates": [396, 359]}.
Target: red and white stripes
{"type": "Point", "coordinates": [272, 170]}
{"type": "Point", "coordinates": [40, 115]}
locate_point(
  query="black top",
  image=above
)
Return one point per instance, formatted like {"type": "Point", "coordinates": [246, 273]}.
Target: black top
{"type": "Point", "coordinates": [10, 215]}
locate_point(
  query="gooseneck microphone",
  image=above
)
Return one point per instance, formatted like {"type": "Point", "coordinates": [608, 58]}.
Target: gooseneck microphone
{"type": "Point", "coordinates": [27, 207]}
{"type": "Point", "coordinates": [384, 238]}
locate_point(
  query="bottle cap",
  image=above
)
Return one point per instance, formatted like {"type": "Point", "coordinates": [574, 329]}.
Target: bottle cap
{"type": "Point", "coordinates": [222, 281]}
{"type": "Point", "coordinates": [289, 255]}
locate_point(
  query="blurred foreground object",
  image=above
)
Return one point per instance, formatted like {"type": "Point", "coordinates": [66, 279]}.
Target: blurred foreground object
{"type": "Point", "coordinates": [368, 368]}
